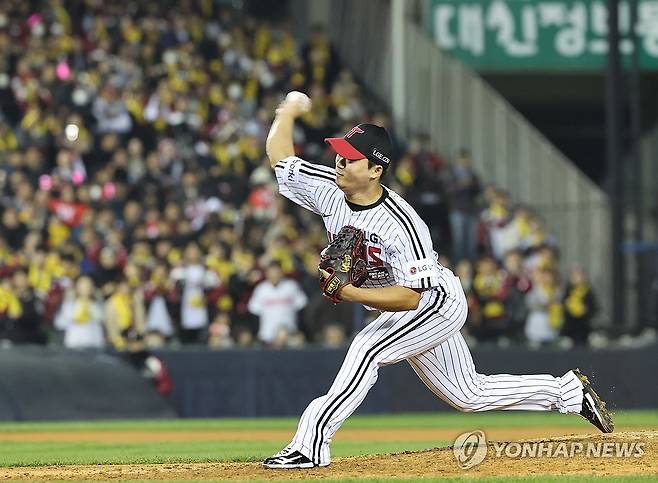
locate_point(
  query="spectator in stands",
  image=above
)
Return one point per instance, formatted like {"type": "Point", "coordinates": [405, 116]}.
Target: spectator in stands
{"type": "Point", "coordinates": [81, 317]}
{"type": "Point", "coordinates": [580, 307]}
{"type": "Point", "coordinates": [159, 289]}
{"type": "Point", "coordinates": [464, 191]}
{"type": "Point", "coordinates": [108, 271]}
{"type": "Point", "coordinates": [39, 265]}
{"type": "Point", "coordinates": [493, 219]}
{"type": "Point", "coordinates": [10, 311]}
{"type": "Point", "coordinates": [516, 286]}
{"type": "Point", "coordinates": [541, 257]}
{"type": "Point", "coordinates": [193, 279]}
{"type": "Point", "coordinates": [13, 230]}
{"type": "Point", "coordinates": [276, 301]}
{"type": "Point", "coordinates": [219, 332]}
{"type": "Point", "coordinates": [110, 111]}
{"type": "Point", "coordinates": [27, 311]}
{"type": "Point", "coordinates": [489, 290]}
{"type": "Point", "coordinates": [544, 301]}
{"type": "Point", "coordinates": [124, 317]}
{"type": "Point", "coordinates": [219, 260]}
{"type": "Point", "coordinates": [240, 288]}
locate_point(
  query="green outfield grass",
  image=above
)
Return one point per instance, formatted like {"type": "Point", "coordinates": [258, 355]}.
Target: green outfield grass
{"type": "Point", "coordinates": [24, 453]}
{"type": "Point", "coordinates": [637, 418]}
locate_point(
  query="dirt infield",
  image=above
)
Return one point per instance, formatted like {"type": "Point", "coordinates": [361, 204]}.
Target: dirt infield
{"type": "Point", "coordinates": [346, 434]}
{"type": "Point", "coordinates": [431, 463]}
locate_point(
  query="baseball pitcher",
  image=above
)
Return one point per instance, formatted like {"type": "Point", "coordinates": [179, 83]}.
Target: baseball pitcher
{"type": "Point", "coordinates": [422, 304]}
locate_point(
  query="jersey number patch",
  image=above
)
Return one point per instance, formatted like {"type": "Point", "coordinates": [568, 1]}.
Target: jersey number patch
{"type": "Point", "coordinates": [373, 256]}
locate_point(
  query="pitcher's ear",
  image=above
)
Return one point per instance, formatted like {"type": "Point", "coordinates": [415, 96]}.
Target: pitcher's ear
{"type": "Point", "coordinates": [378, 170]}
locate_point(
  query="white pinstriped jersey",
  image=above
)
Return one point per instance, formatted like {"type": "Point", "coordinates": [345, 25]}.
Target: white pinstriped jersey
{"type": "Point", "coordinates": [398, 243]}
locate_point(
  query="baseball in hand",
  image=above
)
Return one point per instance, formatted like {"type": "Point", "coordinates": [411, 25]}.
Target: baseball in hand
{"type": "Point", "coordinates": [300, 101]}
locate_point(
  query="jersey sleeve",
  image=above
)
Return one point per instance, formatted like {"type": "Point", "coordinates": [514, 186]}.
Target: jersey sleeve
{"type": "Point", "coordinates": [414, 263]}
{"type": "Point", "coordinates": [305, 183]}
{"type": "Point", "coordinates": [255, 304]}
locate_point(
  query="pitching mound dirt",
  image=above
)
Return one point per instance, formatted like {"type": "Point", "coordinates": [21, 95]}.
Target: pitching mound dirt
{"type": "Point", "coordinates": [432, 463]}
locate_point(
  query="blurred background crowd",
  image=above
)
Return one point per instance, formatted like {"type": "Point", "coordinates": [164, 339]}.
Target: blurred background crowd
{"type": "Point", "coordinates": [138, 207]}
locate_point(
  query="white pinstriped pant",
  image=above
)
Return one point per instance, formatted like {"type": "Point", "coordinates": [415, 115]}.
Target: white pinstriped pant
{"type": "Point", "coordinates": [429, 339]}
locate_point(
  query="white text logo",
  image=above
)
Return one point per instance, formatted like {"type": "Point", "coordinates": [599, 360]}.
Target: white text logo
{"type": "Point", "coordinates": [379, 155]}
{"type": "Point", "coordinates": [470, 449]}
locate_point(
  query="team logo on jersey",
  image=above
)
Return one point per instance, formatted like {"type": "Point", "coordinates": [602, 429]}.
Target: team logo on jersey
{"type": "Point", "coordinates": [373, 238]}
{"type": "Point", "coordinates": [418, 269]}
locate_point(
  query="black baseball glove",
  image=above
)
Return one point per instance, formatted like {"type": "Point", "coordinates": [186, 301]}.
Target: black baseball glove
{"type": "Point", "coordinates": [343, 260]}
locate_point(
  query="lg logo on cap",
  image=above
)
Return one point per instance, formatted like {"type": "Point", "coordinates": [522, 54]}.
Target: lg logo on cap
{"type": "Point", "coordinates": [379, 155]}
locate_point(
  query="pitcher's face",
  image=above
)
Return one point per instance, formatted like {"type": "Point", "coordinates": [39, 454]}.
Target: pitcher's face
{"type": "Point", "coordinates": [354, 175]}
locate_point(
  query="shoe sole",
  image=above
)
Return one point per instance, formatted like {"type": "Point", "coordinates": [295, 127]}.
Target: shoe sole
{"type": "Point", "coordinates": [598, 404]}
{"type": "Point", "coordinates": [289, 467]}
{"type": "Point", "coordinates": [301, 466]}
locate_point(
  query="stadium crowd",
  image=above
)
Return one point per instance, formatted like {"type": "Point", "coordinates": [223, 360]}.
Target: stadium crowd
{"type": "Point", "coordinates": [138, 207]}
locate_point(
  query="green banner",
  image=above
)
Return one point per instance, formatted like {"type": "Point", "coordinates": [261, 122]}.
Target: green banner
{"type": "Point", "coordinates": [540, 34]}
